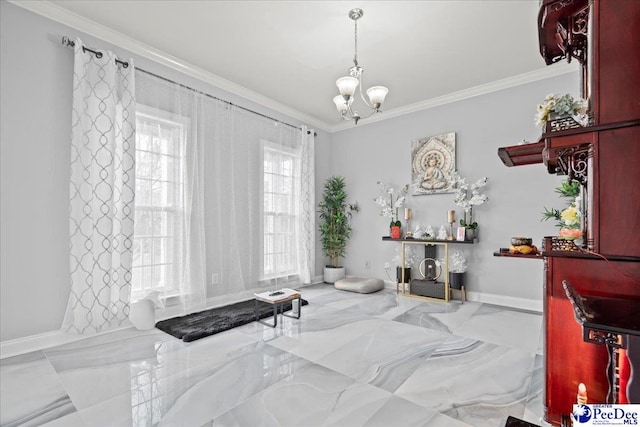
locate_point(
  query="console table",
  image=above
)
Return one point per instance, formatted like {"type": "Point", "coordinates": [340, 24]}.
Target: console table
{"type": "Point", "coordinates": [429, 289]}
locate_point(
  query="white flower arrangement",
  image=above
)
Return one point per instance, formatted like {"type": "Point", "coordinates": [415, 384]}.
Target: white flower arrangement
{"type": "Point", "coordinates": [457, 262]}
{"type": "Point", "coordinates": [467, 196]}
{"type": "Point", "coordinates": [562, 105]}
{"type": "Point", "coordinates": [410, 257]}
{"type": "Point", "coordinates": [390, 206]}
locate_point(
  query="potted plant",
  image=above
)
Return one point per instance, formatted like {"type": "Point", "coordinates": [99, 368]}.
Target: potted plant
{"type": "Point", "coordinates": [390, 207]}
{"type": "Point", "coordinates": [467, 196]}
{"type": "Point", "coordinates": [569, 219]}
{"type": "Point", "coordinates": [335, 227]}
{"type": "Point", "coordinates": [457, 267]}
{"type": "Point", "coordinates": [410, 259]}
{"type": "Point", "coordinates": [557, 106]}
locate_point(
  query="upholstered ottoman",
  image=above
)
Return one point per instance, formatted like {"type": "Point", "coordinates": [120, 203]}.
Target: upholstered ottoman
{"type": "Point", "coordinates": [359, 284]}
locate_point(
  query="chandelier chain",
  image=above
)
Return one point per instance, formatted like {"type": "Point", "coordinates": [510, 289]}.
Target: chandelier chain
{"type": "Point", "coordinates": [355, 36]}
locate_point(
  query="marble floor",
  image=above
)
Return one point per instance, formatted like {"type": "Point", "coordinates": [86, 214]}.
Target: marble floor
{"type": "Point", "coordinates": [351, 360]}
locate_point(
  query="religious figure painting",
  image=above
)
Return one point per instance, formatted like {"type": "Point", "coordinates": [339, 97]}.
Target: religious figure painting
{"type": "Point", "coordinates": [433, 160]}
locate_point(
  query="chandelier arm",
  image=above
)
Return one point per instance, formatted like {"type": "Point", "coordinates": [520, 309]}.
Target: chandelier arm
{"type": "Point", "coordinates": [373, 111]}
{"type": "Point", "coordinates": [352, 114]}
{"type": "Point", "coordinates": [362, 95]}
{"type": "Point", "coordinates": [346, 114]}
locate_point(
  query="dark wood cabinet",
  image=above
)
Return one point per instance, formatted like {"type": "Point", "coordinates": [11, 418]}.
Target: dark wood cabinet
{"type": "Point", "coordinates": [604, 37]}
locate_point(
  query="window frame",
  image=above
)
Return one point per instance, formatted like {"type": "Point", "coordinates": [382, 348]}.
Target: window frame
{"type": "Point", "coordinates": [292, 274]}
{"type": "Point", "coordinates": [181, 124]}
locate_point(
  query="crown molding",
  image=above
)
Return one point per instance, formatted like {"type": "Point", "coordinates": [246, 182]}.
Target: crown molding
{"type": "Point", "coordinates": [554, 70]}
{"type": "Point", "coordinates": [56, 13]}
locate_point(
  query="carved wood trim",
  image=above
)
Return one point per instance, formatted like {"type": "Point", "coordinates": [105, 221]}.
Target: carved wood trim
{"type": "Point", "coordinates": [574, 162]}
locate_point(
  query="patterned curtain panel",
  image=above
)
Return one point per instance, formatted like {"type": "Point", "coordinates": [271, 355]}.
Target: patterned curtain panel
{"type": "Point", "coordinates": [101, 192]}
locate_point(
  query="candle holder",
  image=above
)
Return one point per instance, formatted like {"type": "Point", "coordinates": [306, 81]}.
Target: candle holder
{"type": "Point", "coordinates": [450, 236]}
{"type": "Point", "coordinates": [408, 232]}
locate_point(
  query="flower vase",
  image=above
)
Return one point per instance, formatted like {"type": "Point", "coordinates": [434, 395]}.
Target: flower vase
{"type": "Point", "coordinates": [456, 280]}
{"type": "Point", "coordinates": [396, 232]}
{"type": "Point", "coordinates": [570, 233]}
{"type": "Point", "coordinates": [470, 234]}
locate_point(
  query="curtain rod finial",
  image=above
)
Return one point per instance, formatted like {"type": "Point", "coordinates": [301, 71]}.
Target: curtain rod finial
{"type": "Point", "coordinates": [67, 41]}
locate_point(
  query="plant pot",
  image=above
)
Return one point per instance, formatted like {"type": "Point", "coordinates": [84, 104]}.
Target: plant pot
{"type": "Point", "coordinates": [333, 274]}
{"type": "Point", "coordinates": [570, 233]}
{"type": "Point", "coordinates": [396, 232]}
{"type": "Point", "coordinates": [407, 274]}
{"type": "Point", "coordinates": [470, 234]}
{"type": "Point", "coordinates": [456, 280]}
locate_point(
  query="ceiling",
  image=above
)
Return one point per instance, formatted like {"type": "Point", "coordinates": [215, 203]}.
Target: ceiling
{"type": "Point", "coordinates": [288, 54]}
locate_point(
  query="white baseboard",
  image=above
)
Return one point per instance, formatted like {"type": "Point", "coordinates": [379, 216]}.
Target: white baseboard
{"type": "Point", "coordinates": [502, 300]}
{"type": "Point", "coordinates": [506, 301]}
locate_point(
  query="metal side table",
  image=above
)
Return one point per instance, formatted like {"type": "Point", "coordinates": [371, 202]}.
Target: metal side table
{"type": "Point", "coordinates": [277, 300]}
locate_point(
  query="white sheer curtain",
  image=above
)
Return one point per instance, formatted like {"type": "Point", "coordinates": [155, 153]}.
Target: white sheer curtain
{"type": "Point", "coordinates": [236, 219]}
{"type": "Point", "coordinates": [101, 192]}
{"type": "Point", "coordinates": [169, 252]}
{"type": "Point", "coordinates": [225, 188]}
{"type": "Point", "coordinates": [236, 193]}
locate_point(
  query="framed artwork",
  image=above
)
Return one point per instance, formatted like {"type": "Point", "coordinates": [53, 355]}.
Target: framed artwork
{"type": "Point", "coordinates": [433, 160]}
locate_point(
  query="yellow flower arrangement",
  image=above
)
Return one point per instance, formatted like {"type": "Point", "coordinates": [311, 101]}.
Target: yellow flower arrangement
{"type": "Point", "coordinates": [570, 217]}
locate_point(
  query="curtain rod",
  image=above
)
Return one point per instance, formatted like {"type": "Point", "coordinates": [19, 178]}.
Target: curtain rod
{"type": "Point", "coordinates": [66, 41]}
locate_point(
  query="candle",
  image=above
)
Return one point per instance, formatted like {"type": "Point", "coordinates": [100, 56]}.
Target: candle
{"type": "Point", "coordinates": [407, 213]}
{"type": "Point", "coordinates": [582, 394]}
{"type": "Point", "coordinates": [452, 216]}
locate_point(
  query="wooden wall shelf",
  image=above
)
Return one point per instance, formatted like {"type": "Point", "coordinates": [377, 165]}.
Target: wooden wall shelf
{"type": "Point", "coordinates": [509, 254]}
{"type": "Point", "coordinates": [523, 154]}
{"type": "Point", "coordinates": [434, 241]}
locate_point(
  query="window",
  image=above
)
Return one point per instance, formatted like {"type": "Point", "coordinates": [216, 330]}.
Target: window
{"type": "Point", "coordinates": [159, 211]}
{"type": "Point", "coordinates": [279, 213]}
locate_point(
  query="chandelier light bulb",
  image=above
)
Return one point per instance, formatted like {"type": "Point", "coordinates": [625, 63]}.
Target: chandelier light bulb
{"type": "Point", "coordinates": [347, 85]}
{"type": "Point", "coordinates": [377, 94]}
{"type": "Point", "coordinates": [341, 104]}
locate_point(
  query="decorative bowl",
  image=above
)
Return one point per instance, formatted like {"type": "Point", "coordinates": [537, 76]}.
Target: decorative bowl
{"type": "Point", "coordinates": [520, 241]}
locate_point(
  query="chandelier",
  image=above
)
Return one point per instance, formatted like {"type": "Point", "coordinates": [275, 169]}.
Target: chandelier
{"type": "Point", "coordinates": [347, 85]}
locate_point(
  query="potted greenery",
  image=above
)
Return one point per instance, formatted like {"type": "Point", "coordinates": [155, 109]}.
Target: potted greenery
{"type": "Point", "coordinates": [457, 267]}
{"type": "Point", "coordinates": [558, 106]}
{"type": "Point", "coordinates": [569, 219]}
{"type": "Point", "coordinates": [467, 196]}
{"type": "Point", "coordinates": [390, 207]}
{"type": "Point", "coordinates": [335, 227]}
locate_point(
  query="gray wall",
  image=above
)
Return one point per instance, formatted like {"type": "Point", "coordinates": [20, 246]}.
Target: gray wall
{"type": "Point", "coordinates": [381, 151]}
{"type": "Point", "coordinates": [35, 122]}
